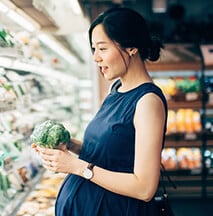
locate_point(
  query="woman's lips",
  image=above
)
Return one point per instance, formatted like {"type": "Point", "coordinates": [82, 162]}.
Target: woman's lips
{"type": "Point", "coordinates": [104, 69]}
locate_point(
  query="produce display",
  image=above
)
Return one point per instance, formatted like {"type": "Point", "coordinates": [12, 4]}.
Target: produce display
{"type": "Point", "coordinates": [6, 39]}
{"type": "Point", "coordinates": [187, 84]}
{"type": "Point", "coordinates": [184, 121]}
{"type": "Point", "coordinates": [27, 100]}
{"type": "Point", "coordinates": [180, 88]}
{"type": "Point", "coordinates": [34, 87]}
{"type": "Point", "coordinates": [50, 134]}
{"type": "Point", "coordinates": [181, 158]}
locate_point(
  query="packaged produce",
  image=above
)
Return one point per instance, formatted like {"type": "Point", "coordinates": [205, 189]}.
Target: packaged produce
{"type": "Point", "coordinates": [184, 121]}
{"type": "Point", "coordinates": [6, 38]}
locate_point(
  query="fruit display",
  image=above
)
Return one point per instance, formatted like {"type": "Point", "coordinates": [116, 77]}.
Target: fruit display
{"type": "Point", "coordinates": [180, 88]}
{"type": "Point", "coordinates": [167, 85]}
{"type": "Point", "coordinates": [184, 121]}
{"type": "Point", "coordinates": [182, 158]}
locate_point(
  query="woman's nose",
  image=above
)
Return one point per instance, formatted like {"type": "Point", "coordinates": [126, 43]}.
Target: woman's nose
{"type": "Point", "coordinates": [96, 57]}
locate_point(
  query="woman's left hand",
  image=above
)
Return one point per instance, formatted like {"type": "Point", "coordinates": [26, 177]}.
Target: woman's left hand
{"type": "Point", "coordinates": [57, 160]}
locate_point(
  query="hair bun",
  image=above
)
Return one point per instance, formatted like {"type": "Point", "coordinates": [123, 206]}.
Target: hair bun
{"type": "Point", "coordinates": [154, 49]}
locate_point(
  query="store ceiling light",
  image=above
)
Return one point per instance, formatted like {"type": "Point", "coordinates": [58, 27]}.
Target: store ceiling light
{"type": "Point", "coordinates": [24, 21]}
{"type": "Point", "coordinates": [54, 45]}
{"type": "Point", "coordinates": [15, 15]}
{"type": "Point", "coordinates": [3, 8]}
{"type": "Point", "coordinates": [21, 21]}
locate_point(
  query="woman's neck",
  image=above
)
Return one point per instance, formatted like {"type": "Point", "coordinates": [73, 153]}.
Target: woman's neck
{"type": "Point", "coordinates": [135, 76]}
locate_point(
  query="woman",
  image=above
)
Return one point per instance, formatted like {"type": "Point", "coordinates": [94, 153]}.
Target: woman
{"type": "Point", "coordinates": [117, 171]}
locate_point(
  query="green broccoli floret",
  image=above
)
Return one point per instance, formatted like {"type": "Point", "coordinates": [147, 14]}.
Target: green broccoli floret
{"type": "Point", "coordinates": [50, 134]}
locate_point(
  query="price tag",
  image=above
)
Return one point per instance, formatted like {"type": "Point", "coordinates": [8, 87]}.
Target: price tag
{"type": "Point", "coordinates": [190, 136]}
{"type": "Point", "coordinates": [191, 96]}
{"type": "Point", "coordinates": [196, 171]}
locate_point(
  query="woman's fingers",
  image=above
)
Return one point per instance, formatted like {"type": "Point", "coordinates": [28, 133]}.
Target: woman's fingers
{"type": "Point", "coordinates": [54, 159]}
{"type": "Point", "coordinates": [46, 151]}
{"type": "Point", "coordinates": [34, 146]}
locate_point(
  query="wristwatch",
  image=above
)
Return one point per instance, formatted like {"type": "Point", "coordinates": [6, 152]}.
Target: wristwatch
{"type": "Point", "coordinates": [88, 172]}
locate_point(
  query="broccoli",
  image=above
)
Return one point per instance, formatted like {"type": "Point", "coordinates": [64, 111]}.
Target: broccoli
{"type": "Point", "coordinates": [50, 134]}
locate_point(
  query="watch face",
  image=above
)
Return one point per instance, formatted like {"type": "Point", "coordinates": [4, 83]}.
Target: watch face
{"type": "Point", "coordinates": [88, 173]}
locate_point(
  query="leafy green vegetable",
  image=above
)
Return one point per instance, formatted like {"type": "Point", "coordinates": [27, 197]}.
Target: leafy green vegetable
{"type": "Point", "coordinates": [6, 39]}
{"type": "Point", "coordinates": [50, 134]}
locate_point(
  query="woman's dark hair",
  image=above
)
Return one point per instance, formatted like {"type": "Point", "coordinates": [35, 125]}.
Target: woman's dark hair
{"type": "Point", "coordinates": [129, 29]}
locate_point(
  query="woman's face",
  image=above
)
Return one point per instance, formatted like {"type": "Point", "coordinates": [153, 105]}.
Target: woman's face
{"type": "Point", "coordinates": [108, 54]}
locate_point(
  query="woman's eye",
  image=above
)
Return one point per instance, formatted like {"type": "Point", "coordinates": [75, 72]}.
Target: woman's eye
{"type": "Point", "coordinates": [102, 48]}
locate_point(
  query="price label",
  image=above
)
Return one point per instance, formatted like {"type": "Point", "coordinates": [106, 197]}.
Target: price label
{"type": "Point", "coordinates": [190, 136]}
{"type": "Point", "coordinates": [191, 96]}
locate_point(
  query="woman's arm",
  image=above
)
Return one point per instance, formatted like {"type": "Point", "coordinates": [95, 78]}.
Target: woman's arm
{"type": "Point", "coordinates": [74, 146]}
{"type": "Point", "coordinates": [149, 122]}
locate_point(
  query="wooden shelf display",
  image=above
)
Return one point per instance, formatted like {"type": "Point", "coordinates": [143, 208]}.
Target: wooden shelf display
{"type": "Point", "coordinates": [188, 142]}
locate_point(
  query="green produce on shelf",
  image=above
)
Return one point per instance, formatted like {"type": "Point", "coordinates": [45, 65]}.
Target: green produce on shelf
{"type": "Point", "coordinates": [6, 39]}
{"type": "Point", "coordinates": [4, 182]}
{"type": "Point", "coordinates": [50, 134]}
{"type": "Point", "coordinates": [18, 145]}
{"type": "Point", "coordinates": [190, 84]}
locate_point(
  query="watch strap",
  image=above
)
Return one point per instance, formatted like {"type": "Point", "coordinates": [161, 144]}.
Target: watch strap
{"type": "Point", "coordinates": [90, 166]}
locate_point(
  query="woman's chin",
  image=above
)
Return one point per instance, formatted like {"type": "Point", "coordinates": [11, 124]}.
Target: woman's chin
{"type": "Point", "coordinates": [109, 78]}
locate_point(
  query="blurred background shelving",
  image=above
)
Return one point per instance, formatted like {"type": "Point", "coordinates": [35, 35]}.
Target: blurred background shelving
{"type": "Point", "coordinates": [47, 71]}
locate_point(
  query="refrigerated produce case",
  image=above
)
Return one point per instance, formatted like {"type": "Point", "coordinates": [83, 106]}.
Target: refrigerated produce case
{"type": "Point", "coordinates": [32, 91]}
{"type": "Point", "coordinates": [26, 102]}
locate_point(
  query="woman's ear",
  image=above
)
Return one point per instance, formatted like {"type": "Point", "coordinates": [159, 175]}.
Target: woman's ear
{"type": "Point", "coordinates": [132, 51]}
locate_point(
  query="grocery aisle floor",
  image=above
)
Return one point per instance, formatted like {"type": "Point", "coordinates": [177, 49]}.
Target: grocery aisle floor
{"type": "Point", "coordinates": [192, 207]}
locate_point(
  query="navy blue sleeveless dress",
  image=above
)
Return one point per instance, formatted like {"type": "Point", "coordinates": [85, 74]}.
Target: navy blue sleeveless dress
{"type": "Point", "coordinates": [108, 143]}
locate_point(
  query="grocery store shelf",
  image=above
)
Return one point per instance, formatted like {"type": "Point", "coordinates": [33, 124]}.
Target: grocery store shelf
{"type": "Point", "coordinates": [209, 106]}
{"type": "Point", "coordinates": [11, 64]}
{"type": "Point", "coordinates": [14, 205]}
{"type": "Point", "coordinates": [188, 185]}
{"type": "Point", "coordinates": [168, 66]}
{"type": "Point", "coordinates": [184, 104]}
{"type": "Point", "coordinates": [195, 143]}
